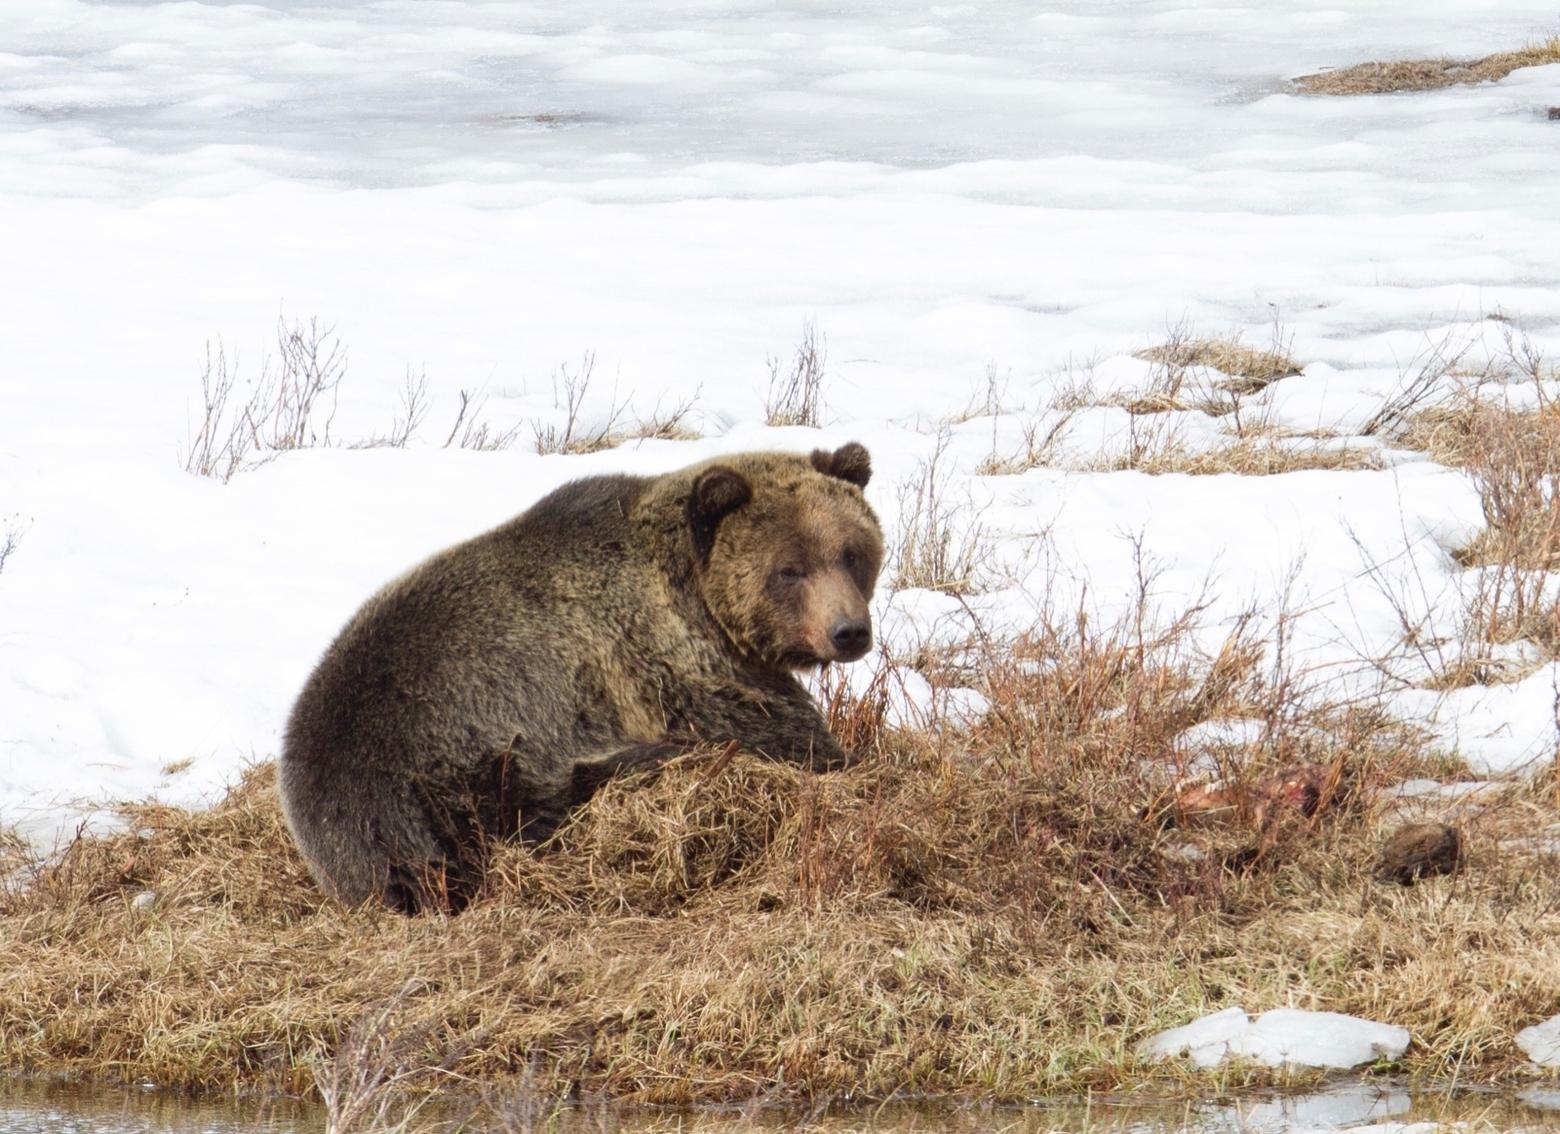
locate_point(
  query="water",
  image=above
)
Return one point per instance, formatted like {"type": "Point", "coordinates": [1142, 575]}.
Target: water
{"type": "Point", "coordinates": [32, 1108]}
{"type": "Point", "coordinates": [55, 1108]}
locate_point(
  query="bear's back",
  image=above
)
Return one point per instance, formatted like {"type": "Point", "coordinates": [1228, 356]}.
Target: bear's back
{"type": "Point", "coordinates": [453, 642]}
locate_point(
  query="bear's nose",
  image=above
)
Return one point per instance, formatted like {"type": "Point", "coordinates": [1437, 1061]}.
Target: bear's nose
{"type": "Point", "coordinates": [851, 638]}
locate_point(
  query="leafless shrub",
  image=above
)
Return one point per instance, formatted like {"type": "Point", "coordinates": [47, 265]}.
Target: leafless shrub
{"type": "Point", "coordinates": [1508, 597]}
{"type": "Point", "coordinates": [988, 400]}
{"type": "Point", "coordinates": [937, 547]}
{"type": "Point", "coordinates": [1040, 445]}
{"type": "Point", "coordinates": [668, 424]}
{"type": "Point", "coordinates": [472, 431]}
{"type": "Point", "coordinates": [1072, 391]}
{"type": "Point", "coordinates": [9, 542]}
{"type": "Point", "coordinates": [1151, 440]}
{"type": "Point", "coordinates": [1504, 607]}
{"type": "Point", "coordinates": [1248, 416]}
{"type": "Point", "coordinates": [1501, 426]}
{"type": "Point", "coordinates": [1074, 387]}
{"type": "Point", "coordinates": [796, 395]}
{"type": "Point", "coordinates": [1170, 366]}
{"type": "Point", "coordinates": [289, 406]}
{"type": "Point", "coordinates": [1420, 381]}
{"type": "Point", "coordinates": [569, 390]}
{"type": "Point", "coordinates": [301, 403]}
{"type": "Point", "coordinates": [414, 410]}
{"type": "Point", "coordinates": [218, 446]}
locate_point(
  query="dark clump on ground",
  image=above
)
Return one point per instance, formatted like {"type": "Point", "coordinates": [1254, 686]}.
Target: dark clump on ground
{"type": "Point", "coordinates": [1420, 850]}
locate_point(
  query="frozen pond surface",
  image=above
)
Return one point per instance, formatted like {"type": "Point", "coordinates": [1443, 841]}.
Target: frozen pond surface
{"type": "Point", "coordinates": [155, 96]}
{"type": "Point", "coordinates": [1378, 1109]}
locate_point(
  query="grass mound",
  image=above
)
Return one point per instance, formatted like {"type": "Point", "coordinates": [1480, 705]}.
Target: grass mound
{"type": "Point", "coordinates": [1250, 368]}
{"type": "Point", "coordinates": [1427, 74]}
{"type": "Point", "coordinates": [1001, 912]}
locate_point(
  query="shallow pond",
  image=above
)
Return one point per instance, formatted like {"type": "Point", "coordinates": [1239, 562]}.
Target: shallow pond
{"type": "Point", "coordinates": [32, 1108]}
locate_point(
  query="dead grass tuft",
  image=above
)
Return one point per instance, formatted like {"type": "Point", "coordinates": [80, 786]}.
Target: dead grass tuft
{"type": "Point", "coordinates": [1246, 456]}
{"type": "Point", "coordinates": [1501, 426]}
{"type": "Point", "coordinates": [1513, 455]}
{"type": "Point", "coordinates": [938, 547]}
{"type": "Point", "coordinates": [1249, 369]}
{"type": "Point", "coordinates": [1427, 74]}
{"type": "Point", "coordinates": [669, 423]}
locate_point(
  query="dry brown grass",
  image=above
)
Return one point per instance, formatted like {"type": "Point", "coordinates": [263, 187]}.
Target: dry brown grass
{"type": "Point", "coordinates": [1248, 369]}
{"type": "Point", "coordinates": [1513, 455]}
{"type": "Point", "coordinates": [1511, 450]}
{"type": "Point", "coordinates": [1259, 455]}
{"type": "Point", "coordinates": [1427, 74]}
{"type": "Point", "coordinates": [939, 546]}
{"type": "Point", "coordinates": [985, 913]}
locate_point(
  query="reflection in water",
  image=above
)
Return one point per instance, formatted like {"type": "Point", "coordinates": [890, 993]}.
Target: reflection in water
{"type": "Point", "coordinates": [31, 1108]}
{"type": "Point", "coordinates": [53, 1108]}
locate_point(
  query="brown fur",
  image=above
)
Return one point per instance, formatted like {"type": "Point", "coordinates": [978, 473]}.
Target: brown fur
{"type": "Point", "coordinates": [617, 623]}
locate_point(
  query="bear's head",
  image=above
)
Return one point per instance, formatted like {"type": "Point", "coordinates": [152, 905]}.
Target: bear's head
{"type": "Point", "coordinates": [787, 553]}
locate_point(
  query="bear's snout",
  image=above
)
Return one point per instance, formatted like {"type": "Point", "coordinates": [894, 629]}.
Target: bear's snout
{"type": "Point", "coordinates": [851, 638]}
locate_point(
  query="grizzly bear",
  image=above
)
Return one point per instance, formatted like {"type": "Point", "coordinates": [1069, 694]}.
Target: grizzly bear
{"type": "Point", "coordinates": [619, 622]}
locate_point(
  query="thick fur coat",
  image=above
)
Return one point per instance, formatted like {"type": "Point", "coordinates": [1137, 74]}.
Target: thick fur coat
{"type": "Point", "coordinates": [617, 623]}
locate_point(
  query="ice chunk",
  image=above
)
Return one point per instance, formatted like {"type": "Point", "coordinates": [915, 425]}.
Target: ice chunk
{"type": "Point", "coordinates": [1207, 1040]}
{"type": "Point", "coordinates": [1541, 1042]}
{"type": "Point", "coordinates": [1318, 1039]}
{"type": "Point", "coordinates": [1281, 1036]}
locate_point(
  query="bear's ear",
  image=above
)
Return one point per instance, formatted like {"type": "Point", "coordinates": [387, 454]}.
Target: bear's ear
{"type": "Point", "coordinates": [850, 462]}
{"type": "Point", "coordinates": [717, 492]}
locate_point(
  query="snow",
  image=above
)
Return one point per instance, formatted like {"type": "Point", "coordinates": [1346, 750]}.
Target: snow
{"type": "Point", "coordinates": [1279, 1037]}
{"type": "Point", "coordinates": [1541, 1042]}
{"type": "Point", "coordinates": [487, 193]}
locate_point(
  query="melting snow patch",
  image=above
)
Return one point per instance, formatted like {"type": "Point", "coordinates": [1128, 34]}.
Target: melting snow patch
{"type": "Point", "coordinates": [1541, 1042]}
{"type": "Point", "coordinates": [1281, 1036]}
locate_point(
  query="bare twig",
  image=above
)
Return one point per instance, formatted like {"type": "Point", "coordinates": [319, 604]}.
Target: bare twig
{"type": "Point", "coordinates": [796, 395]}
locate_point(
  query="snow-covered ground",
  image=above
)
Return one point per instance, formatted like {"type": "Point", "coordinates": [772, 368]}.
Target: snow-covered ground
{"type": "Point", "coordinates": [488, 192]}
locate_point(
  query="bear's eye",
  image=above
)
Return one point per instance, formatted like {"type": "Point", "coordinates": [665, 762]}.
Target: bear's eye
{"type": "Point", "coordinates": [850, 559]}
{"type": "Point", "coordinates": [792, 572]}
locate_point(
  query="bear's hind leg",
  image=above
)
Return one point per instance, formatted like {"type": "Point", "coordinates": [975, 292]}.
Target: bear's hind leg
{"type": "Point", "coordinates": [589, 775]}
